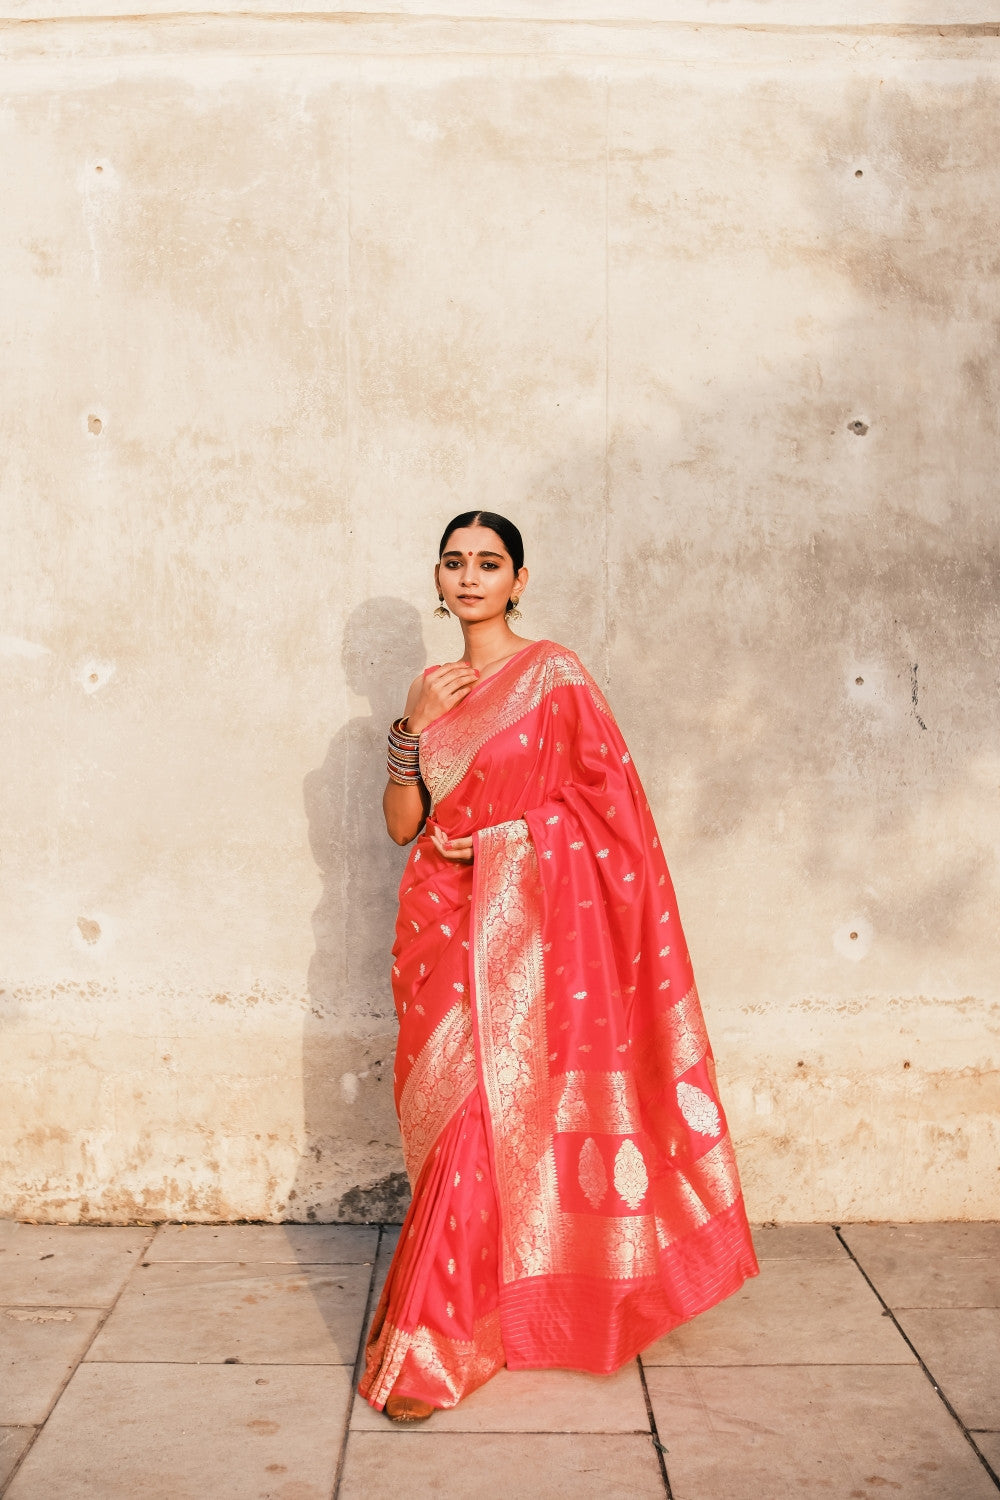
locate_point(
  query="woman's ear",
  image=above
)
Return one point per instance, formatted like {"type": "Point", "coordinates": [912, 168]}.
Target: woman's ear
{"type": "Point", "coordinates": [521, 579]}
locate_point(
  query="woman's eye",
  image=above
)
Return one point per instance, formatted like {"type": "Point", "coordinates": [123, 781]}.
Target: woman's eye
{"type": "Point", "coordinates": [492, 567]}
{"type": "Point", "coordinates": [452, 565]}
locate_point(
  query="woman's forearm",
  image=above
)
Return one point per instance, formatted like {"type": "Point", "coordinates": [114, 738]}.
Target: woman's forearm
{"type": "Point", "coordinates": [406, 809]}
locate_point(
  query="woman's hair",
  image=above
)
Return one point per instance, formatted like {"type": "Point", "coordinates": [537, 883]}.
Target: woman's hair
{"type": "Point", "coordinates": [505, 530]}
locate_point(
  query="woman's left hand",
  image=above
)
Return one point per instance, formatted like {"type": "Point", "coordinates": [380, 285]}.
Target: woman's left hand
{"type": "Point", "coordinates": [458, 851]}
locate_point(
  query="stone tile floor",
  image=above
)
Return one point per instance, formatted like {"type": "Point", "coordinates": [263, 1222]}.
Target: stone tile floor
{"type": "Point", "coordinates": [218, 1363]}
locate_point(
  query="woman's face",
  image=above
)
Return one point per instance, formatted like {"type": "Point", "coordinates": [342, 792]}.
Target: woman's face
{"type": "Point", "coordinates": [476, 574]}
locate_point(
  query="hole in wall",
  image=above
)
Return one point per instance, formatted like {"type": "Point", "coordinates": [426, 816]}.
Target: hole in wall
{"type": "Point", "coordinates": [853, 940]}
{"type": "Point", "coordinates": [858, 427]}
{"type": "Point", "coordinates": [93, 675]}
{"type": "Point", "coordinates": [859, 173]}
{"type": "Point", "coordinates": [865, 684]}
{"type": "Point", "coordinates": [94, 424]}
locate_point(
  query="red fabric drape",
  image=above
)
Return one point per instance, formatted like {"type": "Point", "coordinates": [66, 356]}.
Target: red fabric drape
{"type": "Point", "coordinates": [548, 1011]}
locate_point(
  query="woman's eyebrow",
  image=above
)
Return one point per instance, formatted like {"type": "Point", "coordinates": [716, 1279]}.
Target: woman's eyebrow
{"type": "Point", "coordinates": [478, 554]}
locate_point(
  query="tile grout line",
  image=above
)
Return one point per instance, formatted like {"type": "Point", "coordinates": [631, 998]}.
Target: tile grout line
{"type": "Point", "coordinates": [214, 1364]}
{"type": "Point", "coordinates": [793, 1364]}
{"type": "Point", "coordinates": [654, 1431]}
{"type": "Point", "coordinates": [356, 1371]}
{"type": "Point", "coordinates": [920, 1359]}
{"type": "Point", "coordinates": [105, 1315]}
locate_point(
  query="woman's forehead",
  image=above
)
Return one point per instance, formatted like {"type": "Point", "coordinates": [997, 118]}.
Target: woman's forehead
{"type": "Point", "coordinates": [470, 540]}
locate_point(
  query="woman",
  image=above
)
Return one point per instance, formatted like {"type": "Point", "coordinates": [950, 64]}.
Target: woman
{"type": "Point", "coordinates": [574, 1190]}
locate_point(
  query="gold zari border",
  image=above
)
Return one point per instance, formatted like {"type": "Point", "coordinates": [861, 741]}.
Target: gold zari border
{"type": "Point", "coordinates": [455, 1366]}
{"type": "Point", "coordinates": [598, 1103]}
{"type": "Point", "coordinates": [449, 746]}
{"type": "Point", "coordinates": [510, 1021]}
{"type": "Point", "coordinates": [683, 1036]}
{"type": "Point", "coordinates": [443, 1076]}
{"type": "Point", "coordinates": [526, 1107]}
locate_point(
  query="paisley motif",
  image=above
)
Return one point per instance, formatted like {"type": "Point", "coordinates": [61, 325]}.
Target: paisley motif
{"type": "Point", "coordinates": [592, 1175]}
{"type": "Point", "coordinates": [631, 1177]}
{"type": "Point", "coordinates": [699, 1110]}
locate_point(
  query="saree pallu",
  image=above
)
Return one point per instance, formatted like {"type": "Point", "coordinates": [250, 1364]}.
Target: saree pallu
{"type": "Point", "coordinates": [575, 1193]}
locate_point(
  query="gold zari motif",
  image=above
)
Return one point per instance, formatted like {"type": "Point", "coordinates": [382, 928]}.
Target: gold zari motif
{"type": "Point", "coordinates": [699, 1111]}
{"type": "Point", "coordinates": [631, 1177]}
{"type": "Point", "coordinates": [592, 1174]}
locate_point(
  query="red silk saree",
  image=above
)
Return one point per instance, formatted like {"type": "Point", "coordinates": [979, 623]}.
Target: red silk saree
{"type": "Point", "coordinates": [575, 1194]}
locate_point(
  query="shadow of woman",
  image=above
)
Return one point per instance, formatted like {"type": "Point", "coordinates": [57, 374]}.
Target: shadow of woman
{"type": "Point", "coordinates": [349, 1037]}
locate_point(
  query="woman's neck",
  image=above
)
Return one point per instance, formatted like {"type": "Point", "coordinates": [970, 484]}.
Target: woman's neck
{"type": "Point", "coordinates": [489, 641]}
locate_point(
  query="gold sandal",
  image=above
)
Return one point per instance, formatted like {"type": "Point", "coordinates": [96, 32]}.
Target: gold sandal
{"type": "Point", "coordinates": [407, 1409]}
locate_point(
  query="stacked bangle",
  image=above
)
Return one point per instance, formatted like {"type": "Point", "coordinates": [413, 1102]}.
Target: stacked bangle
{"type": "Point", "coordinates": [403, 759]}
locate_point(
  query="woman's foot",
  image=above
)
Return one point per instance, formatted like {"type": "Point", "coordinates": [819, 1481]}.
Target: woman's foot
{"type": "Point", "coordinates": [407, 1409]}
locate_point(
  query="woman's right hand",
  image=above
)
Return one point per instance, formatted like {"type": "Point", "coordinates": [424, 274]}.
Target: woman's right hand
{"type": "Point", "coordinates": [440, 690]}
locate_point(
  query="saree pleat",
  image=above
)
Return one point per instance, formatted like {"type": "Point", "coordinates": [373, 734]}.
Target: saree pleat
{"type": "Point", "coordinates": [436, 1330]}
{"type": "Point", "coordinates": [575, 1193]}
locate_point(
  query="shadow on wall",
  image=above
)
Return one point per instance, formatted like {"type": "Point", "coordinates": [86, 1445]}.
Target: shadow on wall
{"type": "Point", "coordinates": [797, 553]}
{"type": "Point", "coordinates": [349, 1036]}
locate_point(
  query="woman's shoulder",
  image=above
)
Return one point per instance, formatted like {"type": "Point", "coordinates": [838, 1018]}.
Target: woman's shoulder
{"type": "Point", "coordinates": [562, 661]}
{"type": "Point", "coordinates": [552, 649]}
{"type": "Point", "coordinates": [551, 665]}
{"type": "Point", "coordinates": [413, 693]}
{"type": "Point", "coordinates": [561, 667]}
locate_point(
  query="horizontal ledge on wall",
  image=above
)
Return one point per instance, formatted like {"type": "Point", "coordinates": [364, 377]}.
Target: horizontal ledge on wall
{"type": "Point", "coordinates": [381, 40]}
{"type": "Point", "coordinates": [890, 16]}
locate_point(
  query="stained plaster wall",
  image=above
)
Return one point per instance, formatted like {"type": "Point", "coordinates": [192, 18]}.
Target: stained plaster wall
{"type": "Point", "coordinates": [708, 301]}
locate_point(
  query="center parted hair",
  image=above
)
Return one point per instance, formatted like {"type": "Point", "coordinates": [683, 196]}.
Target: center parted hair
{"type": "Point", "coordinates": [505, 530]}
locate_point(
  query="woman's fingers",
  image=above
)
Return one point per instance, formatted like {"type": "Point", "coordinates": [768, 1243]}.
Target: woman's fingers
{"type": "Point", "coordinates": [448, 668]}
{"type": "Point", "coordinates": [452, 672]}
{"type": "Point", "coordinates": [460, 851]}
{"type": "Point", "coordinates": [442, 689]}
{"type": "Point", "coordinates": [450, 683]}
{"type": "Point", "coordinates": [460, 683]}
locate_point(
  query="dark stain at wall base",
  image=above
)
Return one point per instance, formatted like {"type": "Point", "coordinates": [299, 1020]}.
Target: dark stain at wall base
{"type": "Point", "coordinates": [385, 1202]}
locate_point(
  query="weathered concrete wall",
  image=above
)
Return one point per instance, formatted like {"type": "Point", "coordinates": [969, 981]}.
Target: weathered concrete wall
{"type": "Point", "coordinates": [712, 310]}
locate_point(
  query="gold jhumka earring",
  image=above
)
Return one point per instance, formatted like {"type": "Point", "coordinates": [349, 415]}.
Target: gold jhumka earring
{"type": "Point", "coordinates": [513, 613]}
{"type": "Point", "coordinates": [441, 613]}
